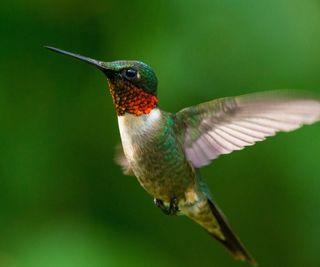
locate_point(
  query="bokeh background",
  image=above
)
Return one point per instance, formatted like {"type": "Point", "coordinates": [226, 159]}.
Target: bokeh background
{"type": "Point", "coordinates": [64, 202]}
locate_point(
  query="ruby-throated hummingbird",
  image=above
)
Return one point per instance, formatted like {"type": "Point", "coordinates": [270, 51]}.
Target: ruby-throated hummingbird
{"type": "Point", "coordinates": [166, 150]}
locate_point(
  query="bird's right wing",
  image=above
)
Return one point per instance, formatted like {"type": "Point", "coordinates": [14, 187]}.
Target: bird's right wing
{"type": "Point", "coordinates": [121, 160]}
{"type": "Point", "coordinates": [223, 125]}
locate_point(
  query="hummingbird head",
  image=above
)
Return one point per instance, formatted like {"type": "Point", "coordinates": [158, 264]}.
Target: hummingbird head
{"type": "Point", "coordinates": [132, 84]}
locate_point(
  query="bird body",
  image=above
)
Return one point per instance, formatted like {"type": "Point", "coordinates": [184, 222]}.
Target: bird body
{"type": "Point", "coordinates": [153, 149]}
{"type": "Point", "coordinates": [155, 154]}
{"type": "Point", "coordinates": [165, 151]}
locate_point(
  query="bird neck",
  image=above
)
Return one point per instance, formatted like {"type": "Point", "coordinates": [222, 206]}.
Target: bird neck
{"type": "Point", "coordinates": [128, 98]}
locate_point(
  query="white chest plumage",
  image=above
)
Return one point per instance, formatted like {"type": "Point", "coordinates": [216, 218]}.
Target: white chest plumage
{"type": "Point", "coordinates": [134, 128]}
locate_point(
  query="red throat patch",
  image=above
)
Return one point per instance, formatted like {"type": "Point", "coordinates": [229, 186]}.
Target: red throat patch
{"type": "Point", "coordinates": [131, 99]}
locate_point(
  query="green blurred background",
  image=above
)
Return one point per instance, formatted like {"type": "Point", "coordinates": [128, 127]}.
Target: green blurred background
{"type": "Point", "coordinates": [64, 202]}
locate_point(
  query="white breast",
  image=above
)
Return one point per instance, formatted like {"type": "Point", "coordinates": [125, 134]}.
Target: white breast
{"type": "Point", "coordinates": [133, 128]}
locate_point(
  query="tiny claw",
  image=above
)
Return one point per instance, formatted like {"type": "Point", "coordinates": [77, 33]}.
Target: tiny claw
{"type": "Point", "coordinates": [171, 210]}
{"type": "Point", "coordinates": [174, 208]}
{"type": "Point", "coordinates": [159, 203]}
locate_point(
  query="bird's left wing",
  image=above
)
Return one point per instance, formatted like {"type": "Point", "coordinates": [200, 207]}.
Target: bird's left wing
{"type": "Point", "coordinates": [221, 126]}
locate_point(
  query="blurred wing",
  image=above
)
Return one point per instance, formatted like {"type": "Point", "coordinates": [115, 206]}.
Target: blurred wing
{"type": "Point", "coordinates": [122, 161]}
{"type": "Point", "coordinates": [221, 126]}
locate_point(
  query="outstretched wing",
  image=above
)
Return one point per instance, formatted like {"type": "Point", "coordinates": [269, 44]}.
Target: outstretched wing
{"type": "Point", "coordinates": [221, 126]}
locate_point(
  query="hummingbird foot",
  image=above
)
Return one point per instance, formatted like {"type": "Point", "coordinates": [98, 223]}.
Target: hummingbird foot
{"type": "Point", "coordinates": [173, 208]}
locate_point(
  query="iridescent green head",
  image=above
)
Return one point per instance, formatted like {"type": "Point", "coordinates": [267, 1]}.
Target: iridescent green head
{"type": "Point", "coordinates": [135, 72]}
{"type": "Point", "coordinates": [133, 84]}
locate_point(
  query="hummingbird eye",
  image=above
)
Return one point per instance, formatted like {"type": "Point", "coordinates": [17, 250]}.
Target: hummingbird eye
{"type": "Point", "coordinates": [130, 73]}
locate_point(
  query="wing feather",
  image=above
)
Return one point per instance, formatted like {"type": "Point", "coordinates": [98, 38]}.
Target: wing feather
{"type": "Point", "coordinates": [228, 124]}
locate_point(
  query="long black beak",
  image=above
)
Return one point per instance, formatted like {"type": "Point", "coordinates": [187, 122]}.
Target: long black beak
{"type": "Point", "coordinates": [99, 64]}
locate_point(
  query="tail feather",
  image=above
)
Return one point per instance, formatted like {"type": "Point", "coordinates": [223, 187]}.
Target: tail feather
{"type": "Point", "coordinates": [230, 241]}
{"type": "Point", "coordinates": [209, 216]}
{"type": "Point", "coordinates": [212, 219]}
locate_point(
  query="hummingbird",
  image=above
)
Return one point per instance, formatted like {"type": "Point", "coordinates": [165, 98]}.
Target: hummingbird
{"type": "Point", "coordinates": [165, 151]}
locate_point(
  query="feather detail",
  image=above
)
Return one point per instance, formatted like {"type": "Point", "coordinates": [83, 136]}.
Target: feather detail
{"type": "Point", "coordinates": [224, 125]}
{"type": "Point", "coordinates": [122, 161]}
